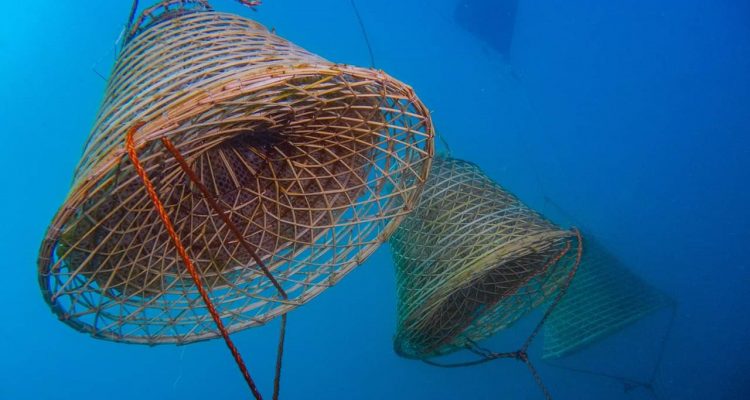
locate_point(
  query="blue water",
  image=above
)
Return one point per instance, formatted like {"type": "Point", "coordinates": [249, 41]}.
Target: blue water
{"type": "Point", "coordinates": [632, 116]}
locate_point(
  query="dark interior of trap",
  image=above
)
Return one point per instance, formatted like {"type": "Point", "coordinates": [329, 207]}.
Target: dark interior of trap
{"type": "Point", "coordinates": [470, 301]}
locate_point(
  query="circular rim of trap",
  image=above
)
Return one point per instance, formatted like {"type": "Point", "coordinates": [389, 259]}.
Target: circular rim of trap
{"type": "Point", "coordinates": [149, 134]}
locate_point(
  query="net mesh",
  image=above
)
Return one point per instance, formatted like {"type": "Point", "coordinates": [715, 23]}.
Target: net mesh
{"type": "Point", "coordinates": [603, 298]}
{"type": "Point", "coordinates": [316, 162]}
{"type": "Point", "coordinates": [471, 259]}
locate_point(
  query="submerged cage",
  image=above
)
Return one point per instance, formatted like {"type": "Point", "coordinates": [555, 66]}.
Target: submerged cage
{"type": "Point", "coordinates": [316, 162]}
{"type": "Point", "coordinates": [603, 298]}
{"type": "Point", "coordinates": [471, 259]}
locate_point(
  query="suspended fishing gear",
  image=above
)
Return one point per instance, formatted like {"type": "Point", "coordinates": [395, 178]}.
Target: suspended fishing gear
{"type": "Point", "coordinates": [230, 177]}
{"type": "Point", "coordinates": [604, 298]}
{"type": "Point", "coordinates": [471, 260]}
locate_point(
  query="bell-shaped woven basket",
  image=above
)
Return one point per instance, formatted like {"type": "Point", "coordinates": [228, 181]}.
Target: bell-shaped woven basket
{"type": "Point", "coordinates": [603, 298]}
{"type": "Point", "coordinates": [470, 260]}
{"type": "Point", "coordinates": [316, 162]}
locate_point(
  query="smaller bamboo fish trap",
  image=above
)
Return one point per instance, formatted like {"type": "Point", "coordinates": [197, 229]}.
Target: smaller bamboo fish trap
{"type": "Point", "coordinates": [315, 163]}
{"type": "Point", "coordinates": [603, 298]}
{"type": "Point", "coordinates": [471, 259]}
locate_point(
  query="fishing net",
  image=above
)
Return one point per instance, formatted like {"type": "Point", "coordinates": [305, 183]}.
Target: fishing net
{"type": "Point", "coordinates": [315, 162]}
{"type": "Point", "coordinates": [603, 298]}
{"type": "Point", "coordinates": [471, 259]}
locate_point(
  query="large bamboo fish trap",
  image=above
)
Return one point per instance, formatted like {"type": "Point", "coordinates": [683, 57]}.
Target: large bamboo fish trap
{"type": "Point", "coordinates": [471, 260]}
{"type": "Point", "coordinates": [315, 163]}
{"type": "Point", "coordinates": [603, 298]}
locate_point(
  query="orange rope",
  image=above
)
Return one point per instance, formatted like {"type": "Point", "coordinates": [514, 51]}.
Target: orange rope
{"type": "Point", "coordinates": [240, 237]}
{"type": "Point", "coordinates": [220, 211]}
{"type": "Point", "coordinates": [130, 146]}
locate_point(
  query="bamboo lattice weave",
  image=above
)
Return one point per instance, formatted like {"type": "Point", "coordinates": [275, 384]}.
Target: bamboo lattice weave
{"type": "Point", "coordinates": [471, 260]}
{"type": "Point", "coordinates": [316, 162]}
{"type": "Point", "coordinates": [603, 298]}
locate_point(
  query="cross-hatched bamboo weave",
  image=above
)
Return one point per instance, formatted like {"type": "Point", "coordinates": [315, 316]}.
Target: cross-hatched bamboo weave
{"type": "Point", "coordinates": [470, 260]}
{"type": "Point", "coordinates": [603, 298]}
{"type": "Point", "coordinates": [315, 162]}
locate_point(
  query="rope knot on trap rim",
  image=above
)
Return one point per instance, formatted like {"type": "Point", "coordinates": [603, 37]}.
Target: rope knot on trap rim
{"type": "Point", "coordinates": [521, 355]}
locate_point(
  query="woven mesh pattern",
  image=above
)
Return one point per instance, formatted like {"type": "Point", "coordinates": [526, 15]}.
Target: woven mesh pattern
{"type": "Point", "coordinates": [603, 298]}
{"type": "Point", "coordinates": [470, 260]}
{"type": "Point", "coordinates": [315, 162]}
{"type": "Point", "coordinates": [164, 11]}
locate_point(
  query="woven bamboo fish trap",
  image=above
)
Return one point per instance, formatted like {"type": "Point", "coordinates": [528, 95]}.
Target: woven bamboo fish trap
{"type": "Point", "coordinates": [604, 297]}
{"type": "Point", "coordinates": [316, 162]}
{"type": "Point", "coordinates": [471, 260]}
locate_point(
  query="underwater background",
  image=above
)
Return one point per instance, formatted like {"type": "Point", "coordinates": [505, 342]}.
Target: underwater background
{"type": "Point", "coordinates": [628, 119]}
